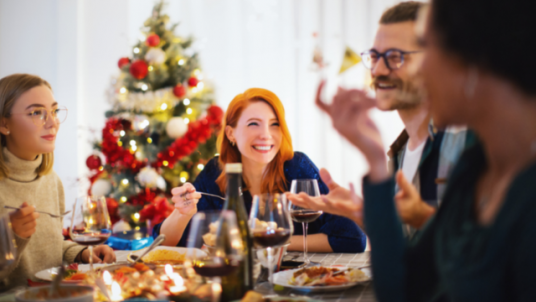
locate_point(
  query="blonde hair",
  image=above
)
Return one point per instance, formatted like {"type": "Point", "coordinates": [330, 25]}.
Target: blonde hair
{"type": "Point", "coordinates": [11, 88]}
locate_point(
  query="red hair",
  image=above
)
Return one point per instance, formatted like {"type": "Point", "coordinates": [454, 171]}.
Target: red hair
{"type": "Point", "coordinates": [273, 180]}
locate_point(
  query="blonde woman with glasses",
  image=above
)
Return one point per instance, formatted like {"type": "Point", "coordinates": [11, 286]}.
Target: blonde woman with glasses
{"type": "Point", "coordinates": [30, 119]}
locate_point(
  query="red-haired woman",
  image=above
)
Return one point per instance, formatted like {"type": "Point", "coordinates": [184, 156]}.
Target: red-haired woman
{"type": "Point", "coordinates": [256, 135]}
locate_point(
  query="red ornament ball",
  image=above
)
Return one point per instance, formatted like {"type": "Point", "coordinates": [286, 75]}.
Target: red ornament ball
{"type": "Point", "coordinates": [152, 40]}
{"type": "Point", "coordinates": [139, 69]}
{"type": "Point", "coordinates": [123, 61]}
{"type": "Point", "coordinates": [93, 162]}
{"type": "Point", "coordinates": [192, 81]}
{"type": "Point", "coordinates": [179, 90]}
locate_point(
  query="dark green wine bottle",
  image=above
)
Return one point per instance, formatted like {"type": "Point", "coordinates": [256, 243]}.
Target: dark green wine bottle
{"type": "Point", "coordinates": [235, 285]}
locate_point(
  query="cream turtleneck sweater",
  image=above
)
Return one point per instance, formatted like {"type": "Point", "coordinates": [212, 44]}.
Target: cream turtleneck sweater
{"type": "Point", "coordinates": [46, 247]}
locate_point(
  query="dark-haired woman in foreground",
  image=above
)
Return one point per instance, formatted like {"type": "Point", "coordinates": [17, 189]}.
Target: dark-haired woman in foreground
{"type": "Point", "coordinates": [481, 245]}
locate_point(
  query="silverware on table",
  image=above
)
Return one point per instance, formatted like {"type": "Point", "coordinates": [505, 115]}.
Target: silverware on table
{"type": "Point", "coordinates": [49, 214]}
{"type": "Point", "coordinates": [155, 243]}
{"type": "Point", "coordinates": [212, 195]}
{"type": "Point", "coordinates": [55, 286]}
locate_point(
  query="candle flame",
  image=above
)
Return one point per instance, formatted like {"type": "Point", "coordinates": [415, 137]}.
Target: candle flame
{"type": "Point", "coordinates": [169, 269]}
{"type": "Point", "coordinates": [116, 292]}
{"type": "Point", "coordinates": [107, 278]}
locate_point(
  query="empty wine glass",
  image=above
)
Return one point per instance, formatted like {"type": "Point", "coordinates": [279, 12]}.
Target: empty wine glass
{"type": "Point", "coordinates": [270, 224]}
{"type": "Point", "coordinates": [304, 215]}
{"type": "Point", "coordinates": [91, 223]}
{"type": "Point", "coordinates": [8, 251]}
{"type": "Point", "coordinates": [219, 230]}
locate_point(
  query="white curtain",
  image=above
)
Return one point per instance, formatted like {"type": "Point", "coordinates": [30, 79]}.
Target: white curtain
{"type": "Point", "coordinates": [75, 44]}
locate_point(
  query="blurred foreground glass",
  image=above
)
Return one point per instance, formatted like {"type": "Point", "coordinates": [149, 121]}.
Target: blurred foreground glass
{"type": "Point", "coordinates": [270, 224]}
{"type": "Point", "coordinates": [219, 230]}
{"type": "Point", "coordinates": [304, 215]}
{"type": "Point", "coordinates": [8, 251]}
{"type": "Point", "coordinates": [91, 223]}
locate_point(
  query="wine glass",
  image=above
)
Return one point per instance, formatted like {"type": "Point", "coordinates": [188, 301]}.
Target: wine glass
{"type": "Point", "coordinates": [304, 215]}
{"type": "Point", "coordinates": [270, 224]}
{"type": "Point", "coordinates": [91, 223]}
{"type": "Point", "coordinates": [8, 251]}
{"type": "Point", "coordinates": [219, 230]}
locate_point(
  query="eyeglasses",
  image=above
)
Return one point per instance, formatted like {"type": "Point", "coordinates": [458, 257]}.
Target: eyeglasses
{"type": "Point", "coordinates": [393, 58]}
{"type": "Point", "coordinates": [40, 116]}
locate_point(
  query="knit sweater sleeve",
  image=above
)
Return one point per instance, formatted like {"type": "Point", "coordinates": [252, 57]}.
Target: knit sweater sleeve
{"type": "Point", "coordinates": [69, 248]}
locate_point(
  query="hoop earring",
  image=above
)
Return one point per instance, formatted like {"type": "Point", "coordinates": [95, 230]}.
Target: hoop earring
{"type": "Point", "coordinates": [470, 85]}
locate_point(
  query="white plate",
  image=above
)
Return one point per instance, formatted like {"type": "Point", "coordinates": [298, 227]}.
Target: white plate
{"type": "Point", "coordinates": [181, 250]}
{"type": "Point", "coordinates": [49, 273]}
{"type": "Point", "coordinates": [283, 278]}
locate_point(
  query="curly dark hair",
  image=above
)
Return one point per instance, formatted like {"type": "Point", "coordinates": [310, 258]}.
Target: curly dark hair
{"type": "Point", "coordinates": [487, 34]}
{"type": "Point", "coordinates": [402, 12]}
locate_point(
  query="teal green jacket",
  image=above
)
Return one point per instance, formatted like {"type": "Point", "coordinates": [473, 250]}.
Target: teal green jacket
{"type": "Point", "coordinates": [454, 258]}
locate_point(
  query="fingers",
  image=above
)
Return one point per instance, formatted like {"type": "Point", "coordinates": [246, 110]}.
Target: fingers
{"type": "Point", "coordinates": [105, 253]}
{"type": "Point", "coordinates": [318, 100]}
{"type": "Point", "coordinates": [326, 178]}
{"type": "Point", "coordinates": [187, 187]}
{"type": "Point", "coordinates": [405, 186]}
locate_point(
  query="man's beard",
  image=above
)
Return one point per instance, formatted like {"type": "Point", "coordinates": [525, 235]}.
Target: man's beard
{"type": "Point", "coordinates": [407, 94]}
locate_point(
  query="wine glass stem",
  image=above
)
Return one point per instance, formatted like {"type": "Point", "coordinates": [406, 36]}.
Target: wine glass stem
{"type": "Point", "coordinates": [270, 264]}
{"type": "Point", "coordinates": [216, 289]}
{"type": "Point", "coordinates": [305, 225]}
{"type": "Point", "coordinates": [90, 248]}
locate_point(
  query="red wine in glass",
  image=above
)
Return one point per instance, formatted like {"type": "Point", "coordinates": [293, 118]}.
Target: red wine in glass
{"type": "Point", "coordinates": [215, 267]}
{"type": "Point", "coordinates": [305, 215]}
{"type": "Point", "coordinates": [270, 238]}
{"type": "Point", "coordinates": [84, 239]}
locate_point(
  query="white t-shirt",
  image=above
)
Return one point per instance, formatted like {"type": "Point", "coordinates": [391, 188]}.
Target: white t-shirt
{"type": "Point", "coordinates": [411, 161]}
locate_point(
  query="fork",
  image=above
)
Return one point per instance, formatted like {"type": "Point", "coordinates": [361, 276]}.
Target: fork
{"type": "Point", "coordinates": [49, 214]}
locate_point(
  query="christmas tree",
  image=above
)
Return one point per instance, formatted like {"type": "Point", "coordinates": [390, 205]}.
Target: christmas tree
{"type": "Point", "coordinates": [161, 129]}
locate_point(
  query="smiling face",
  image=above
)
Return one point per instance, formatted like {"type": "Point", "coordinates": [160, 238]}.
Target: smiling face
{"type": "Point", "coordinates": [24, 138]}
{"type": "Point", "coordinates": [257, 134]}
{"type": "Point", "coordinates": [395, 89]}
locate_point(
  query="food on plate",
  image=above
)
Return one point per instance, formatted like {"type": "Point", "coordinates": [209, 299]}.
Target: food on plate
{"type": "Point", "coordinates": [164, 256]}
{"type": "Point", "coordinates": [210, 237]}
{"type": "Point", "coordinates": [326, 276]}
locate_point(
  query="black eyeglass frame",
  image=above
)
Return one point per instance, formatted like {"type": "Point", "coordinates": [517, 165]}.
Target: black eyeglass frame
{"type": "Point", "coordinates": [384, 56]}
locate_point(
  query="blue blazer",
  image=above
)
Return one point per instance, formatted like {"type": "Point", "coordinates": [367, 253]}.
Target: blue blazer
{"type": "Point", "coordinates": [344, 235]}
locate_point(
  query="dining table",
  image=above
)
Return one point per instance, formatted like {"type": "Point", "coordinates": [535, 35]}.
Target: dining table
{"type": "Point", "coordinates": [360, 293]}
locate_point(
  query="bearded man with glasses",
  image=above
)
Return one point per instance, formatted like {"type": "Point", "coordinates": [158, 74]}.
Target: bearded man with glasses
{"type": "Point", "coordinates": [424, 154]}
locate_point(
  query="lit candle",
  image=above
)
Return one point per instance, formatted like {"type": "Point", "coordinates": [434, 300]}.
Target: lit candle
{"type": "Point", "coordinates": [116, 292]}
{"type": "Point", "coordinates": [178, 282]}
{"type": "Point", "coordinates": [107, 278]}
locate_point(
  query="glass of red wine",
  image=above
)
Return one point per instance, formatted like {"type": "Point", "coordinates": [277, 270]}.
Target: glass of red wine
{"type": "Point", "coordinates": [91, 224]}
{"type": "Point", "coordinates": [304, 215]}
{"type": "Point", "coordinates": [219, 230]}
{"type": "Point", "coordinates": [270, 224]}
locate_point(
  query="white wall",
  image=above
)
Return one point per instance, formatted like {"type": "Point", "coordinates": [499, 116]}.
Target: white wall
{"type": "Point", "coordinates": [75, 45]}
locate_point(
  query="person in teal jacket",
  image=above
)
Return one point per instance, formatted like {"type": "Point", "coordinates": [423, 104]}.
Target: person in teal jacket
{"type": "Point", "coordinates": [480, 245]}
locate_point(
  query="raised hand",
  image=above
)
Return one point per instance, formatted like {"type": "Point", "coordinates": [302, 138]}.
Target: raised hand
{"type": "Point", "coordinates": [338, 201]}
{"type": "Point", "coordinates": [24, 220]}
{"type": "Point", "coordinates": [349, 115]}
{"type": "Point", "coordinates": [411, 208]}
{"type": "Point", "coordinates": [185, 198]}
